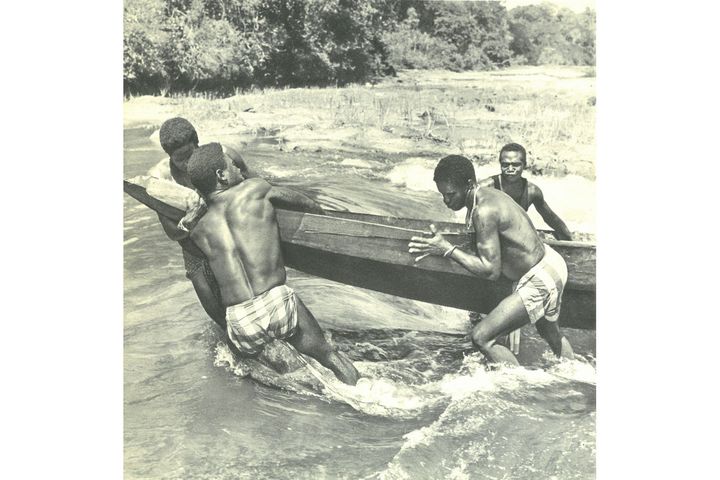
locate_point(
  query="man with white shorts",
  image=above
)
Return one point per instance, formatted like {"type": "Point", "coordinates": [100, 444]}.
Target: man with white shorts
{"type": "Point", "coordinates": [506, 244]}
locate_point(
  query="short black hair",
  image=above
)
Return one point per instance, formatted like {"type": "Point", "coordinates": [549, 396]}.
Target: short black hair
{"type": "Point", "coordinates": [514, 147]}
{"type": "Point", "coordinates": [203, 164]}
{"type": "Point", "coordinates": [456, 169]}
{"type": "Point", "coordinates": [175, 133]}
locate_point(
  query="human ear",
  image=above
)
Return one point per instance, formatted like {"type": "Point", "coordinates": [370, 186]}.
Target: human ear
{"type": "Point", "coordinates": [221, 176]}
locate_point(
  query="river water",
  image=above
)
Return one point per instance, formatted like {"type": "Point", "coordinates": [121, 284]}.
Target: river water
{"type": "Point", "coordinates": [429, 408]}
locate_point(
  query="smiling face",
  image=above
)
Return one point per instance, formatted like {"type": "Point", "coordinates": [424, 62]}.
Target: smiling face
{"type": "Point", "coordinates": [454, 194]}
{"type": "Point", "coordinates": [511, 165]}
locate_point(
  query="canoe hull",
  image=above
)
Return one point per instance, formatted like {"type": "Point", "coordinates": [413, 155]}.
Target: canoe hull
{"type": "Point", "coordinates": [370, 252]}
{"type": "Point", "coordinates": [442, 288]}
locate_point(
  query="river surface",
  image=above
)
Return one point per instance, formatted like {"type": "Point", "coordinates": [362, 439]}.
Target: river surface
{"type": "Point", "coordinates": [428, 409]}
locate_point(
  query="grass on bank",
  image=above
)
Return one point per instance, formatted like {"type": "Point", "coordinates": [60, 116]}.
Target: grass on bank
{"type": "Point", "coordinates": [551, 111]}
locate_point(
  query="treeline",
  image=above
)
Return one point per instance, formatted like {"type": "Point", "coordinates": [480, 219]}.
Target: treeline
{"type": "Point", "coordinates": [225, 45]}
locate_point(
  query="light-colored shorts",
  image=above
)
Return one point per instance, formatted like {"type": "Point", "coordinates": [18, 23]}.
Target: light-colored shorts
{"type": "Point", "coordinates": [256, 322]}
{"type": "Point", "coordinates": [541, 288]}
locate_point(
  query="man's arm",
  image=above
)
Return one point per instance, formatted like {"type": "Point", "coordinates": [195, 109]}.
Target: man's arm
{"type": "Point", "coordinates": [288, 199]}
{"type": "Point", "coordinates": [551, 218]}
{"type": "Point", "coordinates": [239, 162]}
{"type": "Point", "coordinates": [488, 262]}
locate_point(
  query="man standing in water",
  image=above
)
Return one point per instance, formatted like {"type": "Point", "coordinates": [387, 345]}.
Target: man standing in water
{"type": "Point", "coordinates": [179, 139]}
{"type": "Point", "coordinates": [240, 238]}
{"type": "Point", "coordinates": [513, 160]}
{"type": "Point", "coordinates": [507, 244]}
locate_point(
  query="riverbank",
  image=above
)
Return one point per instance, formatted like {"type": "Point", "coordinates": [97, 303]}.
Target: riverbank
{"type": "Point", "coordinates": [550, 110]}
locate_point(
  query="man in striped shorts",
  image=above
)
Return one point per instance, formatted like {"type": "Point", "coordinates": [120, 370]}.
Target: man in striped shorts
{"type": "Point", "coordinates": [508, 245]}
{"type": "Point", "coordinates": [239, 235]}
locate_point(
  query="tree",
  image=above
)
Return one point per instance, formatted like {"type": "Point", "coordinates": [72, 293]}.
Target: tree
{"type": "Point", "coordinates": [548, 34]}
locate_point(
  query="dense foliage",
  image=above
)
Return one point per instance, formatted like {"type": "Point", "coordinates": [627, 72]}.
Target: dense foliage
{"type": "Point", "coordinates": [224, 45]}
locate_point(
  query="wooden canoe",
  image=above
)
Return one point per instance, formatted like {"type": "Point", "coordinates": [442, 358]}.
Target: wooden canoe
{"type": "Point", "coordinates": [370, 251]}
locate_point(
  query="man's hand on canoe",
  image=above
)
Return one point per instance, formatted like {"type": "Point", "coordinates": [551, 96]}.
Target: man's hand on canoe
{"type": "Point", "coordinates": [433, 243]}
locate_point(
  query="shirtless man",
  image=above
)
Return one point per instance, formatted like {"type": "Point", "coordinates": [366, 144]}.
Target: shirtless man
{"type": "Point", "coordinates": [240, 238]}
{"type": "Point", "coordinates": [506, 244]}
{"type": "Point", "coordinates": [513, 160]}
{"type": "Point", "coordinates": [179, 139]}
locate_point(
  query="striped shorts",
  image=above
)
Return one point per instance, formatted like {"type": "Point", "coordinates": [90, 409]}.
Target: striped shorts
{"type": "Point", "coordinates": [541, 288]}
{"type": "Point", "coordinates": [256, 322]}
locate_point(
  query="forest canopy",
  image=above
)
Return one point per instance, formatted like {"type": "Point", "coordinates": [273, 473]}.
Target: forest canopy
{"type": "Point", "coordinates": [227, 45]}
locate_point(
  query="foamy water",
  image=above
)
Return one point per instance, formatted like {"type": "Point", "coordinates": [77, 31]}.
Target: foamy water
{"type": "Point", "coordinates": [427, 407]}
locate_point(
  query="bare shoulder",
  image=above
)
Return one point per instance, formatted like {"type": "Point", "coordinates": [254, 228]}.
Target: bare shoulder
{"type": "Point", "coordinates": [534, 192]}
{"type": "Point", "coordinates": [252, 188]}
{"type": "Point", "coordinates": [486, 210]}
{"type": "Point", "coordinates": [486, 182]}
{"type": "Point", "coordinates": [257, 185]}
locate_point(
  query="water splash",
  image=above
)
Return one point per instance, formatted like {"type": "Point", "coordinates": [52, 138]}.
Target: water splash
{"type": "Point", "coordinates": [494, 421]}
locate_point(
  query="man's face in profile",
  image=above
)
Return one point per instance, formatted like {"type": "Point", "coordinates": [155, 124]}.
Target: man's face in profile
{"type": "Point", "coordinates": [453, 194]}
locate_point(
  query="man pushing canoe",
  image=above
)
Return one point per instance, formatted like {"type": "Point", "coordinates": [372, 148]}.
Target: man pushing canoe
{"type": "Point", "coordinates": [506, 244]}
{"type": "Point", "coordinates": [179, 139]}
{"type": "Point", "coordinates": [239, 236]}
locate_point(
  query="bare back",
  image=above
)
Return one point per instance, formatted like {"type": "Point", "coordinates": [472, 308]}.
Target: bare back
{"type": "Point", "coordinates": [240, 237]}
{"type": "Point", "coordinates": [520, 245]}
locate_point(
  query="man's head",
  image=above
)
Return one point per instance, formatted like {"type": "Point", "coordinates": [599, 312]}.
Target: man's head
{"type": "Point", "coordinates": [209, 167]}
{"type": "Point", "coordinates": [513, 159]}
{"type": "Point", "coordinates": [178, 138]}
{"type": "Point", "coordinates": [454, 176]}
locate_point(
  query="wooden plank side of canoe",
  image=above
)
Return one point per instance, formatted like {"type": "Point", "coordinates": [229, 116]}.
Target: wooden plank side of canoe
{"type": "Point", "coordinates": [442, 288]}
{"type": "Point", "coordinates": [579, 256]}
{"type": "Point", "coordinates": [374, 256]}
{"type": "Point", "coordinates": [387, 243]}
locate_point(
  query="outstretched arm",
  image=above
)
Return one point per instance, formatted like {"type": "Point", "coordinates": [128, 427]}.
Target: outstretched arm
{"type": "Point", "coordinates": [551, 218]}
{"type": "Point", "coordinates": [486, 264]}
{"type": "Point", "coordinates": [240, 162]}
{"type": "Point", "coordinates": [289, 199]}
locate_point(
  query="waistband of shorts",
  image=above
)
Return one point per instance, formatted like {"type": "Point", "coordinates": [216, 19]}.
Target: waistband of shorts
{"type": "Point", "coordinates": [550, 256]}
{"type": "Point", "coordinates": [283, 290]}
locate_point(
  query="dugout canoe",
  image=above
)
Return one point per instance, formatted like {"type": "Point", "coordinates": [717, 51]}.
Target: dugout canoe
{"type": "Point", "coordinates": [370, 251]}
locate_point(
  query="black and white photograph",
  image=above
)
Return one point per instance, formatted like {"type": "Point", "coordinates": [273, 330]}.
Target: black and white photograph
{"type": "Point", "coordinates": [359, 239]}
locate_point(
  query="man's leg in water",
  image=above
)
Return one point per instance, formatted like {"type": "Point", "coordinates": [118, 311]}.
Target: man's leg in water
{"type": "Point", "coordinates": [550, 332]}
{"type": "Point", "coordinates": [509, 315]}
{"type": "Point", "coordinates": [310, 340]}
